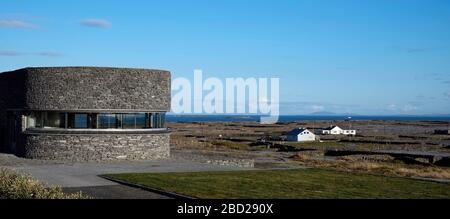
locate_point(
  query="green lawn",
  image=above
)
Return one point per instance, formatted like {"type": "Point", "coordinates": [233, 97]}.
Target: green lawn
{"type": "Point", "coordinates": [287, 184]}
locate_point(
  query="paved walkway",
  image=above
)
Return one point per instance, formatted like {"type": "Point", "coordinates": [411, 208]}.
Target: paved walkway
{"type": "Point", "coordinates": [63, 174]}
{"type": "Point", "coordinates": [75, 177]}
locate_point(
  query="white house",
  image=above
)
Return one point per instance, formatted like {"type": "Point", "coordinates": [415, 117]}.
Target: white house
{"type": "Point", "coordinates": [336, 130]}
{"type": "Point", "coordinates": [301, 135]}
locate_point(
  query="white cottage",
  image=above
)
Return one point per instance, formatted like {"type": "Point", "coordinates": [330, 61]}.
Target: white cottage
{"type": "Point", "coordinates": [336, 130]}
{"type": "Point", "coordinates": [301, 135]}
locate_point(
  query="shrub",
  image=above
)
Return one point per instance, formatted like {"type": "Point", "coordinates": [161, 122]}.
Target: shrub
{"type": "Point", "coordinates": [17, 186]}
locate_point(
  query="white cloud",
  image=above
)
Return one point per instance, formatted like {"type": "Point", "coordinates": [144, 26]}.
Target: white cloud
{"type": "Point", "coordinates": [17, 24]}
{"type": "Point", "coordinates": [16, 53]}
{"type": "Point", "coordinates": [98, 23]}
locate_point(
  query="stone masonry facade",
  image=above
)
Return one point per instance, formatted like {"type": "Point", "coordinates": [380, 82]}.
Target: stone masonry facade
{"type": "Point", "coordinates": [97, 89]}
{"type": "Point", "coordinates": [83, 90]}
{"type": "Point", "coordinates": [99, 147]}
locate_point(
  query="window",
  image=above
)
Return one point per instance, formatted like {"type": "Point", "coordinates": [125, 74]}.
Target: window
{"type": "Point", "coordinates": [81, 121]}
{"type": "Point", "coordinates": [34, 120]}
{"type": "Point", "coordinates": [95, 120]}
{"type": "Point", "coordinates": [158, 120]}
{"type": "Point", "coordinates": [54, 120]}
{"type": "Point", "coordinates": [128, 121]}
{"type": "Point", "coordinates": [141, 119]}
{"type": "Point", "coordinates": [150, 123]}
{"type": "Point", "coordinates": [108, 121]}
{"type": "Point", "coordinates": [77, 120]}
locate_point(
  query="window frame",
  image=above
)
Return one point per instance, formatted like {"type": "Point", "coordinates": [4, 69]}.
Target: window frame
{"type": "Point", "coordinates": [68, 120]}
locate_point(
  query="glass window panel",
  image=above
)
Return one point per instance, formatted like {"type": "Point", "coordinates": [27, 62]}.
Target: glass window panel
{"type": "Point", "coordinates": [62, 120]}
{"type": "Point", "coordinates": [158, 120]}
{"type": "Point", "coordinates": [128, 121]}
{"type": "Point", "coordinates": [150, 120]}
{"type": "Point", "coordinates": [81, 121]}
{"type": "Point", "coordinates": [39, 119]}
{"type": "Point", "coordinates": [154, 120]}
{"type": "Point", "coordinates": [163, 120]}
{"type": "Point", "coordinates": [54, 120]}
{"type": "Point", "coordinates": [34, 120]}
{"type": "Point", "coordinates": [31, 121]}
{"type": "Point", "coordinates": [107, 121]}
{"type": "Point", "coordinates": [94, 120]}
{"type": "Point", "coordinates": [70, 120]}
{"type": "Point", "coordinates": [140, 120]}
{"type": "Point", "coordinates": [119, 120]}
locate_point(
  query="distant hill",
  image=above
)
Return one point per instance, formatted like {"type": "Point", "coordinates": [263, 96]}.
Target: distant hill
{"type": "Point", "coordinates": [327, 113]}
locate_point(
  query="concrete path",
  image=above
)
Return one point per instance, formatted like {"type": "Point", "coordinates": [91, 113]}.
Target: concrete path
{"type": "Point", "coordinates": [84, 177]}
{"type": "Point", "coordinates": [86, 174]}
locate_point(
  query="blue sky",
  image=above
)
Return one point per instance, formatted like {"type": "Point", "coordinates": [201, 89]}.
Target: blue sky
{"type": "Point", "coordinates": [373, 57]}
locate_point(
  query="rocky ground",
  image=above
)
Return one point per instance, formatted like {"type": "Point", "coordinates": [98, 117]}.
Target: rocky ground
{"type": "Point", "coordinates": [402, 147]}
{"type": "Point", "coordinates": [371, 135]}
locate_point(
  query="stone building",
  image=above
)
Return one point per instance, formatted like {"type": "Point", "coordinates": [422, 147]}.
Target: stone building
{"type": "Point", "coordinates": [85, 113]}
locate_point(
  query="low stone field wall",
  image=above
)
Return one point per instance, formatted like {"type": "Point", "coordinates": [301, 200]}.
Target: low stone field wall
{"type": "Point", "coordinates": [216, 158]}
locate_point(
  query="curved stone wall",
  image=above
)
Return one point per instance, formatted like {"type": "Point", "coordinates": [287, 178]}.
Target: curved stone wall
{"type": "Point", "coordinates": [82, 90]}
{"type": "Point", "coordinates": [89, 88]}
{"type": "Point", "coordinates": [95, 147]}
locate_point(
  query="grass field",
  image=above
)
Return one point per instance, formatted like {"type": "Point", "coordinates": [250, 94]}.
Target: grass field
{"type": "Point", "coordinates": [288, 184]}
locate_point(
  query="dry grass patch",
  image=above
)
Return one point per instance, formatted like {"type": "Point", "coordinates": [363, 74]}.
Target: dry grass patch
{"type": "Point", "coordinates": [349, 163]}
{"type": "Point", "coordinates": [18, 186]}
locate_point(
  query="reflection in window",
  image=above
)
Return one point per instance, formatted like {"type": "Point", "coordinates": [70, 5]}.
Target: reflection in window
{"type": "Point", "coordinates": [77, 121]}
{"type": "Point", "coordinates": [54, 120]}
{"type": "Point", "coordinates": [159, 120]}
{"type": "Point", "coordinates": [156, 120]}
{"type": "Point", "coordinates": [81, 121]}
{"type": "Point", "coordinates": [95, 120]}
{"type": "Point", "coordinates": [108, 121]}
{"type": "Point", "coordinates": [141, 119]}
{"type": "Point", "coordinates": [128, 121]}
{"type": "Point", "coordinates": [34, 120]}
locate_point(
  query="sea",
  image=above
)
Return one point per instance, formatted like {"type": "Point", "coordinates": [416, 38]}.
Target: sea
{"type": "Point", "coordinates": [294, 118]}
